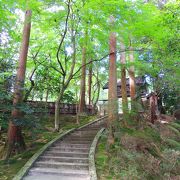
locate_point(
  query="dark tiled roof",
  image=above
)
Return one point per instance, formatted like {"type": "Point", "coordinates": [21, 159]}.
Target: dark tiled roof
{"type": "Point", "coordinates": [140, 87]}
{"type": "Point", "coordinates": [140, 91]}
{"type": "Point", "coordinates": [139, 82]}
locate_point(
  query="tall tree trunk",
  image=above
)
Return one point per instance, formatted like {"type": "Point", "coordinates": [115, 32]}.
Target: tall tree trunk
{"type": "Point", "coordinates": [90, 83]}
{"type": "Point", "coordinates": [82, 102]}
{"type": "Point", "coordinates": [15, 138]}
{"type": "Point", "coordinates": [123, 81]}
{"type": "Point", "coordinates": [132, 79]}
{"type": "Point", "coordinates": [112, 93]}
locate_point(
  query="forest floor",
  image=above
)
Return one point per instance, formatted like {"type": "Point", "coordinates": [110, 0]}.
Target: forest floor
{"type": "Point", "coordinates": [145, 151]}
{"type": "Point", "coordinates": [35, 139]}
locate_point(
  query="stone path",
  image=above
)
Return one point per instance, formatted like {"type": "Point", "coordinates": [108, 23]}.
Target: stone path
{"type": "Point", "coordinates": [67, 158]}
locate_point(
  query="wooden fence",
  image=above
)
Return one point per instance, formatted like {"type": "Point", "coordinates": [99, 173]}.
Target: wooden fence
{"type": "Point", "coordinates": [65, 108]}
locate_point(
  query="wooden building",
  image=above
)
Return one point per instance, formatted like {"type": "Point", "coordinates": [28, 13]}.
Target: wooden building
{"type": "Point", "coordinates": [141, 87]}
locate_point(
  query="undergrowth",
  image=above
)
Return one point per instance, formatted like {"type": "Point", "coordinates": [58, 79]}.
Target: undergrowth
{"type": "Point", "coordinates": [141, 151]}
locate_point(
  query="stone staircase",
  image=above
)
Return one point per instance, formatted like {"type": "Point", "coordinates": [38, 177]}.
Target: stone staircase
{"type": "Point", "coordinates": [67, 158]}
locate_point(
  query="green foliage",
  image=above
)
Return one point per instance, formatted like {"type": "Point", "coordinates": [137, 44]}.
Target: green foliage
{"type": "Point", "coordinates": [175, 125]}
{"type": "Point", "coordinates": [68, 97]}
{"type": "Point", "coordinates": [153, 32]}
{"type": "Point", "coordinates": [173, 143]}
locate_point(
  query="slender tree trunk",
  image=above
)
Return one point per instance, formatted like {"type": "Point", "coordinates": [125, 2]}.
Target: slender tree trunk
{"type": "Point", "coordinates": [33, 95]}
{"type": "Point", "coordinates": [153, 107]}
{"type": "Point", "coordinates": [123, 81]}
{"type": "Point", "coordinates": [132, 79]}
{"type": "Point", "coordinates": [47, 95]}
{"type": "Point", "coordinates": [57, 110]}
{"type": "Point", "coordinates": [41, 96]}
{"type": "Point", "coordinates": [82, 102]}
{"type": "Point", "coordinates": [90, 83]}
{"type": "Point", "coordinates": [112, 93]}
{"type": "Point", "coordinates": [46, 100]}
{"type": "Point", "coordinates": [15, 138]}
{"type": "Point", "coordinates": [57, 115]}
{"type": "Point", "coordinates": [98, 93]}
{"type": "Point", "coordinates": [67, 81]}
{"type": "Point", "coordinates": [29, 92]}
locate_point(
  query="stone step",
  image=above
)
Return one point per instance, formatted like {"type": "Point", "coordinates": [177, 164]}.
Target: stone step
{"type": "Point", "coordinates": [67, 154]}
{"type": "Point", "coordinates": [78, 138]}
{"type": "Point", "coordinates": [70, 149]}
{"type": "Point", "coordinates": [81, 137]}
{"type": "Point", "coordinates": [64, 159]}
{"type": "Point", "coordinates": [75, 142]}
{"type": "Point", "coordinates": [89, 129]}
{"type": "Point", "coordinates": [59, 165]}
{"type": "Point", "coordinates": [55, 177]}
{"type": "Point", "coordinates": [63, 144]}
{"type": "Point", "coordinates": [83, 129]}
{"type": "Point", "coordinates": [54, 151]}
{"type": "Point", "coordinates": [67, 158]}
{"type": "Point", "coordinates": [65, 171]}
{"type": "Point", "coordinates": [39, 173]}
{"type": "Point", "coordinates": [84, 133]}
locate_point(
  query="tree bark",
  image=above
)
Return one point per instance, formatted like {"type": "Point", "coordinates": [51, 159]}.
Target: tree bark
{"type": "Point", "coordinates": [112, 93]}
{"type": "Point", "coordinates": [46, 101]}
{"type": "Point", "coordinates": [57, 115]}
{"type": "Point", "coordinates": [57, 110]}
{"type": "Point", "coordinates": [82, 102]}
{"type": "Point", "coordinates": [153, 107]}
{"type": "Point", "coordinates": [123, 81]}
{"type": "Point", "coordinates": [132, 79]}
{"type": "Point", "coordinates": [47, 95]}
{"type": "Point", "coordinates": [68, 79]}
{"type": "Point", "coordinates": [98, 93]}
{"type": "Point", "coordinates": [90, 83]}
{"type": "Point", "coordinates": [15, 139]}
